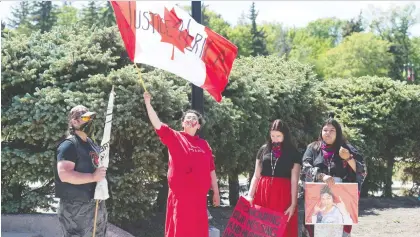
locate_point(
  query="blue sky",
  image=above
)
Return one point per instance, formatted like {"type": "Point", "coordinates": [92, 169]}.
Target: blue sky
{"type": "Point", "coordinates": [290, 13]}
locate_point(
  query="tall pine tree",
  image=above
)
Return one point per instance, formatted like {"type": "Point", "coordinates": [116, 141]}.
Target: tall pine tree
{"type": "Point", "coordinates": [44, 15]}
{"type": "Point", "coordinates": [90, 14]}
{"type": "Point", "coordinates": [284, 42]}
{"type": "Point", "coordinates": [107, 15]}
{"type": "Point", "coordinates": [66, 3]}
{"type": "Point", "coordinates": [259, 44]}
{"type": "Point", "coordinates": [67, 16]}
{"type": "Point", "coordinates": [353, 26]}
{"type": "Point", "coordinates": [394, 26]}
{"type": "Point", "coordinates": [3, 28]}
{"type": "Point", "coordinates": [20, 15]}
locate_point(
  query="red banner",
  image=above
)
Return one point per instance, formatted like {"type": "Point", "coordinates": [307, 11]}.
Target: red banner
{"type": "Point", "coordinates": [254, 221]}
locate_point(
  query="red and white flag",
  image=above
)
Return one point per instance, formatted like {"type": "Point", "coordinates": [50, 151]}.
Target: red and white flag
{"type": "Point", "coordinates": [163, 35]}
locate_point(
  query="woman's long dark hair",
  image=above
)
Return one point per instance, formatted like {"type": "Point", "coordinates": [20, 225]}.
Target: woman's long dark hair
{"type": "Point", "coordinates": [280, 126]}
{"type": "Point", "coordinates": [339, 138]}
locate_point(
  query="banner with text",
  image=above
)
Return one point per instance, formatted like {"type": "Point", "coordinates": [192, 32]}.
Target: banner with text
{"type": "Point", "coordinates": [254, 221]}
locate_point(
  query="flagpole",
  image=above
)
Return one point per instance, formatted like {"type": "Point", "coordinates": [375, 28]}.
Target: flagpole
{"type": "Point", "coordinates": [141, 80]}
{"type": "Point", "coordinates": [101, 190]}
{"type": "Point", "coordinates": [94, 221]}
{"type": "Point", "coordinates": [197, 96]}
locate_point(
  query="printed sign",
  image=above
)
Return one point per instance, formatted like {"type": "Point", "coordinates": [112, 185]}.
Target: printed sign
{"type": "Point", "coordinates": [255, 221]}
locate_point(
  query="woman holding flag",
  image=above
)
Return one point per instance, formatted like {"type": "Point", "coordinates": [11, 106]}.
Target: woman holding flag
{"type": "Point", "coordinates": [191, 173]}
{"type": "Point", "coordinates": [275, 181]}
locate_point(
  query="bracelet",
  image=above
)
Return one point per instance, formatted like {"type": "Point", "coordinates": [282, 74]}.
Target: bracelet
{"type": "Point", "coordinates": [350, 158]}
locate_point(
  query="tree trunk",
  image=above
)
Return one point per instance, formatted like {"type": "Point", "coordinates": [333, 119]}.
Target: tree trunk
{"type": "Point", "coordinates": [250, 175]}
{"type": "Point", "coordinates": [365, 190]}
{"type": "Point", "coordinates": [388, 179]}
{"type": "Point", "coordinates": [233, 188]}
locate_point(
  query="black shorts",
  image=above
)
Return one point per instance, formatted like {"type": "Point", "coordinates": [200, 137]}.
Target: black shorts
{"type": "Point", "coordinates": [76, 218]}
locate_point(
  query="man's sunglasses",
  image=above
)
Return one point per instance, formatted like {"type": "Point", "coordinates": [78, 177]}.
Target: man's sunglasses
{"type": "Point", "coordinates": [86, 117]}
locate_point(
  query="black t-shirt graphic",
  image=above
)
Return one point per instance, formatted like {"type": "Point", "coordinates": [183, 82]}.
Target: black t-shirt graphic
{"type": "Point", "coordinates": [86, 159]}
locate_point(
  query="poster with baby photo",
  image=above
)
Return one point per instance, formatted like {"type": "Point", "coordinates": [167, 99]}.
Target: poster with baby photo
{"type": "Point", "coordinates": [335, 204]}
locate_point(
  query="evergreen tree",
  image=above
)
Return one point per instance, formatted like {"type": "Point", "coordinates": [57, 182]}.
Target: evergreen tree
{"type": "Point", "coordinates": [259, 44]}
{"type": "Point", "coordinates": [284, 43]}
{"type": "Point", "coordinates": [3, 28]}
{"type": "Point", "coordinates": [20, 15]}
{"type": "Point", "coordinates": [394, 26]}
{"type": "Point", "coordinates": [353, 26]}
{"type": "Point", "coordinates": [90, 14]}
{"type": "Point", "coordinates": [107, 15]}
{"type": "Point", "coordinates": [67, 3]}
{"type": "Point", "coordinates": [67, 16]}
{"type": "Point", "coordinates": [44, 16]}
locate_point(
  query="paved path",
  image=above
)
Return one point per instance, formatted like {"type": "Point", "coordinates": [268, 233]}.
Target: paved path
{"type": "Point", "coordinates": [14, 234]}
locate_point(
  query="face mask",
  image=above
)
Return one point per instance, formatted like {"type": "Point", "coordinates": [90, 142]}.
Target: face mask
{"type": "Point", "coordinates": [88, 128]}
{"type": "Point", "coordinates": [276, 145]}
{"type": "Point", "coordinates": [190, 123]}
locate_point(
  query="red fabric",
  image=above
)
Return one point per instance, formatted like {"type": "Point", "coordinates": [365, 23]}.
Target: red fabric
{"type": "Point", "coordinates": [347, 228]}
{"type": "Point", "coordinates": [125, 16]}
{"type": "Point", "coordinates": [275, 194]}
{"type": "Point", "coordinates": [218, 55]}
{"type": "Point", "coordinates": [189, 167]}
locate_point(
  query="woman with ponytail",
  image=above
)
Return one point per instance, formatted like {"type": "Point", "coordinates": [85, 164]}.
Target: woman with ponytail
{"type": "Point", "coordinates": [275, 181]}
{"type": "Point", "coordinates": [332, 159]}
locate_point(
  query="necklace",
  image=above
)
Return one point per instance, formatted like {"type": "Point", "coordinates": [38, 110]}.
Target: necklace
{"type": "Point", "coordinates": [273, 167]}
{"type": "Point", "coordinates": [329, 163]}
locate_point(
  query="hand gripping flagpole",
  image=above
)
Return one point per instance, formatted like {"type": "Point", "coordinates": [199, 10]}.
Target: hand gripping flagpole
{"type": "Point", "coordinates": [141, 80]}
{"type": "Point", "coordinates": [101, 190]}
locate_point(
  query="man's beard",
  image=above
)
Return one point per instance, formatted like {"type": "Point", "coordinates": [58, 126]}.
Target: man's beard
{"type": "Point", "coordinates": [87, 128]}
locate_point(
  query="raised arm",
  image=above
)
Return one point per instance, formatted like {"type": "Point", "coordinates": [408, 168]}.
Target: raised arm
{"type": "Point", "coordinates": [166, 134]}
{"type": "Point", "coordinates": [154, 119]}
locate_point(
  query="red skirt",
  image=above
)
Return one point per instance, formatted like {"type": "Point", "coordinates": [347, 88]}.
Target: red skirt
{"type": "Point", "coordinates": [275, 194]}
{"type": "Point", "coordinates": [186, 215]}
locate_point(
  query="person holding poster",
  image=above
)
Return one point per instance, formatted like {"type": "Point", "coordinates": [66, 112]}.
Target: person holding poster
{"type": "Point", "coordinates": [276, 176]}
{"type": "Point", "coordinates": [332, 159]}
{"type": "Point", "coordinates": [191, 173]}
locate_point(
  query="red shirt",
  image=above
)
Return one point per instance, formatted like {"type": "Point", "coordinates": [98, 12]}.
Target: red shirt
{"type": "Point", "coordinates": [190, 161]}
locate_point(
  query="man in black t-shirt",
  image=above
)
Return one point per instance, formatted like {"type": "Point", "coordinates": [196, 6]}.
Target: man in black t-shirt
{"type": "Point", "coordinates": [75, 178]}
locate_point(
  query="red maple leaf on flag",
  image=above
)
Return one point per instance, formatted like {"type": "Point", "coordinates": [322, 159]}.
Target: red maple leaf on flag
{"type": "Point", "coordinates": [168, 28]}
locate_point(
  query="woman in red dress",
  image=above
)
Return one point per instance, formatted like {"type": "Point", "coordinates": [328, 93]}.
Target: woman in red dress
{"type": "Point", "coordinates": [191, 173]}
{"type": "Point", "coordinates": [275, 181]}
